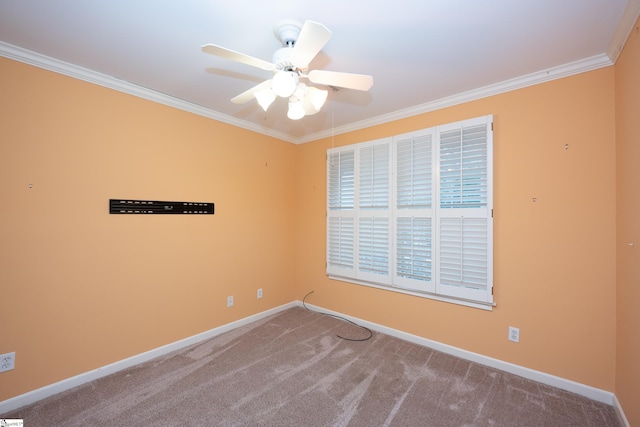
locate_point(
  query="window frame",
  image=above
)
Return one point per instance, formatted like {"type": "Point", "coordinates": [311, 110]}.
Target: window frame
{"type": "Point", "coordinates": [477, 218]}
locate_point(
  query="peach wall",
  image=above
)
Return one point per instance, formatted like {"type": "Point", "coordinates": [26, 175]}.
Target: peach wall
{"type": "Point", "coordinates": [554, 260]}
{"type": "Point", "coordinates": [81, 288]}
{"type": "Point", "coordinates": [628, 227]}
{"type": "Point", "coordinates": [92, 288]}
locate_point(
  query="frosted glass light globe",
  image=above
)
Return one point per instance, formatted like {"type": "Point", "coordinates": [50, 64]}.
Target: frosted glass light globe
{"type": "Point", "coordinates": [284, 83]}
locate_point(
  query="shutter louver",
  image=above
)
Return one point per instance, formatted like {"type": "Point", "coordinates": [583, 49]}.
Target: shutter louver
{"type": "Point", "coordinates": [463, 252]}
{"type": "Point", "coordinates": [373, 245]}
{"type": "Point", "coordinates": [463, 167]}
{"type": "Point", "coordinates": [340, 253]}
{"type": "Point", "coordinates": [414, 170]}
{"type": "Point", "coordinates": [413, 248]}
{"type": "Point", "coordinates": [341, 185]}
{"type": "Point", "coordinates": [374, 177]}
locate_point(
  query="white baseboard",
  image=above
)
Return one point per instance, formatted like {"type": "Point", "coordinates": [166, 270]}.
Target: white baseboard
{"type": "Point", "coordinates": [620, 412]}
{"type": "Point", "coordinates": [544, 378]}
{"type": "Point", "coordinates": [69, 383]}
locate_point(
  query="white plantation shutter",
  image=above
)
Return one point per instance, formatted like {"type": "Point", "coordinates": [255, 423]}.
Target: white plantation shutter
{"type": "Point", "coordinates": [464, 257]}
{"type": "Point", "coordinates": [414, 212]}
{"type": "Point", "coordinates": [373, 191]}
{"type": "Point", "coordinates": [414, 159]}
{"type": "Point", "coordinates": [341, 173]}
{"type": "Point", "coordinates": [414, 238]}
{"type": "Point", "coordinates": [373, 195]}
{"type": "Point", "coordinates": [373, 245]}
{"type": "Point", "coordinates": [465, 231]}
{"type": "Point", "coordinates": [340, 254]}
{"type": "Point", "coordinates": [341, 212]}
{"type": "Point", "coordinates": [463, 167]}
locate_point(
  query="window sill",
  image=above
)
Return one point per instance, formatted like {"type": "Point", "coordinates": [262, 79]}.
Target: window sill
{"type": "Point", "coordinates": [459, 301]}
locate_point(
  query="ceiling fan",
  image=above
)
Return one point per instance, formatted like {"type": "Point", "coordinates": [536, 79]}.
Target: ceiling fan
{"type": "Point", "coordinates": [300, 44]}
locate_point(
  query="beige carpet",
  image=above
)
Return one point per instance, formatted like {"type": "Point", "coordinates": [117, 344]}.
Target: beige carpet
{"type": "Point", "coordinates": [292, 370]}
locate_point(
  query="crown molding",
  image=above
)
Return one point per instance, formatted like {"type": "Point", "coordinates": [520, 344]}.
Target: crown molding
{"type": "Point", "coordinates": [628, 20]}
{"type": "Point", "coordinates": [576, 67]}
{"type": "Point", "coordinates": [42, 61]}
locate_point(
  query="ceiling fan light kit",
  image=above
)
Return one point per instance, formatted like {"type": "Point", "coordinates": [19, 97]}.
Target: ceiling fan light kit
{"type": "Point", "coordinates": [316, 97]}
{"type": "Point", "coordinates": [296, 110]}
{"type": "Point", "coordinates": [306, 101]}
{"type": "Point", "coordinates": [301, 43]}
{"type": "Point", "coordinates": [265, 98]}
{"type": "Point", "coordinates": [284, 83]}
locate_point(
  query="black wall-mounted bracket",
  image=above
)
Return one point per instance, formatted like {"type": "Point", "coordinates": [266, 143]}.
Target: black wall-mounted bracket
{"type": "Point", "coordinates": [133, 207]}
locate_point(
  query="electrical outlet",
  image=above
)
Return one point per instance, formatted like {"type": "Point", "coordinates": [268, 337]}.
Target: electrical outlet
{"type": "Point", "coordinates": [514, 334]}
{"type": "Point", "coordinates": [260, 293]}
{"type": "Point", "coordinates": [229, 301]}
{"type": "Point", "coordinates": [7, 361]}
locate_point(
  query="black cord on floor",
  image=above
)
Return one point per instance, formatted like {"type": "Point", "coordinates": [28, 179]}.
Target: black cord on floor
{"type": "Point", "coordinates": [341, 318]}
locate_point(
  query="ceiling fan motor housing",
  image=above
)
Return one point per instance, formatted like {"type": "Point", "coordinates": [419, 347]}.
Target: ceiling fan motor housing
{"type": "Point", "coordinates": [287, 32]}
{"type": "Point", "coordinates": [281, 59]}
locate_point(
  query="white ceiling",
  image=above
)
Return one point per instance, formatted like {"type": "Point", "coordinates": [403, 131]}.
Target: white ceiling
{"type": "Point", "coordinates": [422, 54]}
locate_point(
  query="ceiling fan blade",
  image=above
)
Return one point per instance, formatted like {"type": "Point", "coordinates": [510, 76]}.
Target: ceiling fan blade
{"type": "Point", "coordinates": [248, 95]}
{"type": "Point", "coordinates": [346, 80]}
{"type": "Point", "coordinates": [313, 36]}
{"type": "Point", "coordinates": [223, 52]}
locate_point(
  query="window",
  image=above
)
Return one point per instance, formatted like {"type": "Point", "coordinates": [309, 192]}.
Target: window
{"type": "Point", "coordinates": [413, 212]}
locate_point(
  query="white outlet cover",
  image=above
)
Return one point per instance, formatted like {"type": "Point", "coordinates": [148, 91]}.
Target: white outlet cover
{"type": "Point", "coordinates": [514, 334]}
{"type": "Point", "coordinates": [7, 361]}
